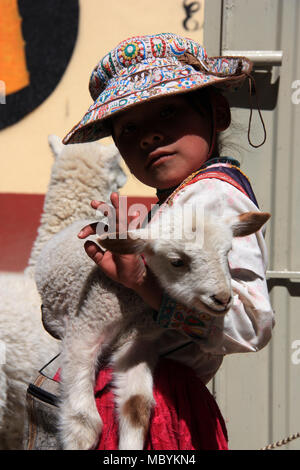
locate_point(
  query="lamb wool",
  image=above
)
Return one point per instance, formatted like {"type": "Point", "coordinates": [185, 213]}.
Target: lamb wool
{"type": "Point", "coordinates": [79, 173]}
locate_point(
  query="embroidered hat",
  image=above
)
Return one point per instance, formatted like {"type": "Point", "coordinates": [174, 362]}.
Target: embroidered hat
{"type": "Point", "coordinates": [142, 68]}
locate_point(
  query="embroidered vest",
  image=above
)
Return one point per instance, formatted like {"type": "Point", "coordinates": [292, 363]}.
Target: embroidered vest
{"type": "Point", "coordinates": [224, 168]}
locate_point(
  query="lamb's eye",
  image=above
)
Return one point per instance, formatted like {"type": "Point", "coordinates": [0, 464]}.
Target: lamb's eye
{"type": "Point", "coordinates": [177, 263]}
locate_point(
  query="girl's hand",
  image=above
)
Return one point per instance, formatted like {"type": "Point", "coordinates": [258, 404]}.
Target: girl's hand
{"type": "Point", "coordinates": [128, 270]}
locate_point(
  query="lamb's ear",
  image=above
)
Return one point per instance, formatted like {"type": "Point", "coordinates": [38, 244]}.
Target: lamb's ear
{"type": "Point", "coordinates": [249, 222]}
{"type": "Point", "coordinates": [55, 144]}
{"type": "Point", "coordinates": [135, 242]}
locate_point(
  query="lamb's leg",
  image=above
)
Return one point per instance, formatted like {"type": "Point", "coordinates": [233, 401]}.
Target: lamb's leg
{"type": "Point", "coordinates": [133, 380]}
{"type": "Point", "coordinates": [80, 422]}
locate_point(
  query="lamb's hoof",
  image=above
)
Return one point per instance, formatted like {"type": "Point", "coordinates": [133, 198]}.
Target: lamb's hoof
{"type": "Point", "coordinates": [81, 432]}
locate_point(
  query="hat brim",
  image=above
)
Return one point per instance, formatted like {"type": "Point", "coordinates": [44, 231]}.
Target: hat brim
{"type": "Point", "coordinates": [119, 96]}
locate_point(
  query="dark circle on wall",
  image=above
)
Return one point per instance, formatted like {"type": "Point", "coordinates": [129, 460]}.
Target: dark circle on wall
{"type": "Point", "coordinates": [50, 30]}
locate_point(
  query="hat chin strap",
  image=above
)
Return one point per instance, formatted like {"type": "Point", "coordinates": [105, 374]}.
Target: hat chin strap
{"type": "Point", "coordinates": [213, 128]}
{"type": "Point", "coordinates": [212, 140]}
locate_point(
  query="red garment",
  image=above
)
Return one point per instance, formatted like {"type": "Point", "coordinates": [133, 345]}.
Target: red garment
{"type": "Point", "coordinates": [186, 416]}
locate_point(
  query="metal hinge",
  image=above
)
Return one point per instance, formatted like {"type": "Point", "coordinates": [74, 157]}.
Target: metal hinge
{"type": "Point", "coordinates": [258, 57]}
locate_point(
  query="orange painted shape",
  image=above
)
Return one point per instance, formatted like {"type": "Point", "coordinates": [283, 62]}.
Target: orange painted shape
{"type": "Point", "coordinates": [13, 70]}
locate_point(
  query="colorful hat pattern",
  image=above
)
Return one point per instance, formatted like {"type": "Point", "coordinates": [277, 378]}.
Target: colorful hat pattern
{"type": "Point", "coordinates": [142, 68]}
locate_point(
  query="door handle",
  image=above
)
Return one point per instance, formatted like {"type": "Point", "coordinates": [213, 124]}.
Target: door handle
{"type": "Point", "coordinates": [283, 274]}
{"type": "Point", "coordinates": [258, 57]}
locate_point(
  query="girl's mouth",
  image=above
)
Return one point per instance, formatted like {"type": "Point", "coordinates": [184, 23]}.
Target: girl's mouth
{"type": "Point", "coordinates": [157, 158]}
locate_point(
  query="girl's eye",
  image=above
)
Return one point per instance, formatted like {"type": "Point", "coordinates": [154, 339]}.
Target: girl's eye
{"type": "Point", "coordinates": [128, 129]}
{"type": "Point", "coordinates": [177, 263]}
{"type": "Point", "coordinates": [167, 112]}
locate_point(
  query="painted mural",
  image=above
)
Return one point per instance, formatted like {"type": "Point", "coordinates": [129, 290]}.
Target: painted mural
{"type": "Point", "coordinates": [36, 43]}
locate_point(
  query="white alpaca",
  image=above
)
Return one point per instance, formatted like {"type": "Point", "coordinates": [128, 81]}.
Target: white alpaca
{"type": "Point", "coordinates": [96, 316]}
{"type": "Point", "coordinates": [27, 348]}
{"type": "Point", "coordinates": [80, 173]}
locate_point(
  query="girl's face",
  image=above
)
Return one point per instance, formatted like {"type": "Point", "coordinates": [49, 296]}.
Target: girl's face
{"type": "Point", "coordinates": [164, 142]}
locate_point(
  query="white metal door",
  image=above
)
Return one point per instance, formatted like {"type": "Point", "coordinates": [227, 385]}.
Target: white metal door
{"type": "Point", "coordinates": [258, 393]}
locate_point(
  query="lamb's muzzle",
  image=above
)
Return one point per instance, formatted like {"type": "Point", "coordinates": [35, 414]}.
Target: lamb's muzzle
{"type": "Point", "coordinates": [223, 299]}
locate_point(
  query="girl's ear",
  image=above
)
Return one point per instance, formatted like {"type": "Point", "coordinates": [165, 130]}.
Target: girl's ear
{"type": "Point", "coordinates": [221, 111]}
{"type": "Point", "coordinates": [248, 223]}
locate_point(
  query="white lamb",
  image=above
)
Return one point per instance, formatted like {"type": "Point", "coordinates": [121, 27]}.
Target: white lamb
{"type": "Point", "coordinates": [80, 173]}
{"type": "Point", "coordinates": [96, 316]}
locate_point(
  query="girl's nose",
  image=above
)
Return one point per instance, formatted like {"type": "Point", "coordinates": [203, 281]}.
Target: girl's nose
{"type": "Point", "coordinates": [150, 139]}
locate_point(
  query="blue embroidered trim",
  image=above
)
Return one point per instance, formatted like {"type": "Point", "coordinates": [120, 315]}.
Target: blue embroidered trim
{"type": "Point", "coordinates": [166, 311]}
{"type": "Point", "coordinates": [189, 321]}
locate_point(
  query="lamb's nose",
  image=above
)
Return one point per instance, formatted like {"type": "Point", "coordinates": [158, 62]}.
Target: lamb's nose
{"type": "Point", "coordinates": [151, 138]}
{"type": "Point", "coordinates": [221, 299]}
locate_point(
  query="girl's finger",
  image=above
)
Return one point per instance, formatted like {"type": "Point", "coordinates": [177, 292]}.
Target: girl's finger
{"type": "Point", "coordinates": [95, 204]}
{"type": "Point", "coordinates": [114, 197]}
{"type": "Point", "coordinates": [133, 220]}
{"type": "Point", "coordinates": [121, 220]}
{"type": "Point", "coordinates": [94, 252]}
{"type": "Point", "coordinates": [88, 230]}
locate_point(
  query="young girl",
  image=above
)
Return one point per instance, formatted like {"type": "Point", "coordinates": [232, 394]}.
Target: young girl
{"type": "Point", "coordinates": [159, 97]}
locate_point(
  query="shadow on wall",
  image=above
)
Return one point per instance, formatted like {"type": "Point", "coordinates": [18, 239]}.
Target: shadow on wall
{"type": "Point", "coordinates": [267, 92]}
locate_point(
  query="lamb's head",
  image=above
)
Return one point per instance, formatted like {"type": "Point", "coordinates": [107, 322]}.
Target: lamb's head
{"type": "Point", "coordinates": [191, 264]}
